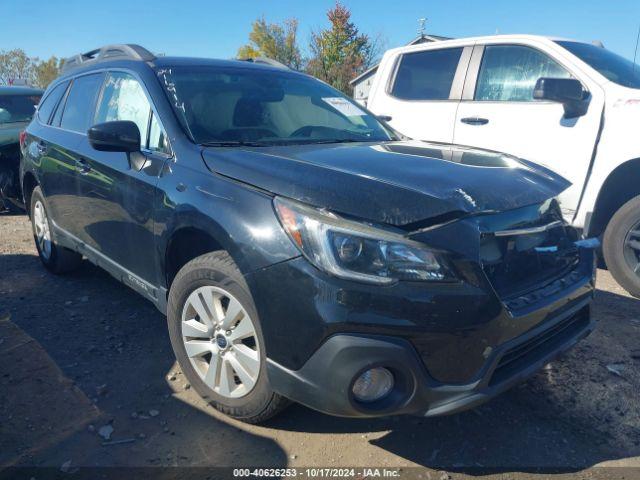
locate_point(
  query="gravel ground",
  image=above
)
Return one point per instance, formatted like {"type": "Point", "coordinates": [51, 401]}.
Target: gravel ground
{"type": "Point", "coordinates": [87, 378]}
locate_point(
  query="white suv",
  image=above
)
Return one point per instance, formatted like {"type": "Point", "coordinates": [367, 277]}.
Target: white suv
{"type": "Point", "coordinates": [567, 105]}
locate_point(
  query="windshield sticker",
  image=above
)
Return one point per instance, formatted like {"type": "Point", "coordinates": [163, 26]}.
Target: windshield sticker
{"type": "Point", "coordinates": [344, 106]}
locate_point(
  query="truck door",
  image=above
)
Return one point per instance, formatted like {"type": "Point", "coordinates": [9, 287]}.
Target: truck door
{"type": "Point", "coordinates": [420, 92]}
{"type": "Point", "coordinates": [498, 112]}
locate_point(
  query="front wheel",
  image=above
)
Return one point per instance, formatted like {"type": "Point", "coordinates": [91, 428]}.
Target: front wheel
{"type": "Point", "coordinates": [621, 246]}
{"type": "Point", "coordinates": [217, 338]}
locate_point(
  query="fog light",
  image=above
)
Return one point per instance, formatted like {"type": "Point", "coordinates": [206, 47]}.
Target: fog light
{"type": "Point", "coordinates": [373, 385]}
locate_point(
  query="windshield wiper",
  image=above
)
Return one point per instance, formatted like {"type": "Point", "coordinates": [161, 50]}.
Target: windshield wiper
{"type": "Point", "coordinates": [234, 143]}
{"type": "Point", "coordinates": [341, 140]}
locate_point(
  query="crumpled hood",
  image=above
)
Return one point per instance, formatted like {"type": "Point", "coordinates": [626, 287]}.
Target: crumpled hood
{"type": "Point", "coordinates": [397, 183]}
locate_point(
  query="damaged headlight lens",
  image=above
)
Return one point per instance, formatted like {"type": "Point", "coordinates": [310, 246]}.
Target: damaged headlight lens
{"type": "Point", "coordinates": [357, 251]}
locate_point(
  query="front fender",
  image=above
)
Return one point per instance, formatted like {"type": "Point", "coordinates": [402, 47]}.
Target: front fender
{"type": "Point", "coordinates": [240, 219]}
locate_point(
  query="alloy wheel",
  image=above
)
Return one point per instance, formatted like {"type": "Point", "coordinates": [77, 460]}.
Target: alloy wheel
{"type": "Point", "coordinates": [221, 341]}
{"type": "Point", "coordinates": [41, 230]}
{"type": "Point", "coordinates": [632, 249]}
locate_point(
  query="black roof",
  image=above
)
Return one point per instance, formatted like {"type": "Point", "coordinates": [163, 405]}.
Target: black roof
{"type": "Point", "coordinates": [117, 55]}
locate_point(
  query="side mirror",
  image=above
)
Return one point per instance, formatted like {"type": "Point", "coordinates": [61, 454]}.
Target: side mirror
{"type": "Point", "coordinates": [116, 136]}
{"type": "Point", "coordinates": [567, 91]}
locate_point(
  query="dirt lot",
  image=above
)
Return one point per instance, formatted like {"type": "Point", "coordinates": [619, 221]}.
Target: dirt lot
{"type": "Point", "coordinates": [82, 352]}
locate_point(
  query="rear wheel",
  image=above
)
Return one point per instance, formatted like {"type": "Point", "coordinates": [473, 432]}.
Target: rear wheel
{"type": "Point", "coordinates": [217, 338]}
{"type": "Point", "coordinates": [621, 246]}
{"type": "Point", "coordinates": [56, 258]}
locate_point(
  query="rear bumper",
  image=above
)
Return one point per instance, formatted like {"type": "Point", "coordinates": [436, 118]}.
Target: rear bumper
{"type": "Point", "coordinates": [324, 382]}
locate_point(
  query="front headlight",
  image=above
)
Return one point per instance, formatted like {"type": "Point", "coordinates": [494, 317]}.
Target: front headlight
{"type": "Point", "coordinates": [358, 251]}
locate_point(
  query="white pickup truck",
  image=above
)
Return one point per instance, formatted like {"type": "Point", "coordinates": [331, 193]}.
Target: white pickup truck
{"type": "Point", "coordinates": [570, 106]}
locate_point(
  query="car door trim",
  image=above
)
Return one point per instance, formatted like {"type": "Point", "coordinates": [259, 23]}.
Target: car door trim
{"type": "Point", "coordinates": [157, 295]}
{"type": "Point", "coordinates": [469, 89]}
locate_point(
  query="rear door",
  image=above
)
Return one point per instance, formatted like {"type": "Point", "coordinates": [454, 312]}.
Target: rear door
{"type": "Point", "coordinates": [498, 112]}
{"type": "Point", "coordinates": [420, 92]}
{"type": "Point", "coordinates": [59, 149]}
{"type": "Point", "coordinates": [117, 190]}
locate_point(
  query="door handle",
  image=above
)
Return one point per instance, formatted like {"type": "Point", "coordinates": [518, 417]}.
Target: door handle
{"type": "Point", "coordinates": [82, 166]}
{"type": "Point", "coordinates": [385, 118]}
{"type": "Point", "coordinates": [475, 121]}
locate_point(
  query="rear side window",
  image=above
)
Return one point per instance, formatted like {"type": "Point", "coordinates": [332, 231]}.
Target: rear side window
{"type": "Point", "coordinates": [80, 105]}
{"type": "Point", "coordinates": [50, 101]}
{"type": "Point", "coordinates": [509, 73]}
{"type": "Point", "coordinates": [426, 75]}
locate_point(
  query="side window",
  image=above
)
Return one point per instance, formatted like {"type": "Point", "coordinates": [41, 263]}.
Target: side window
{"type": "Point", "coordinates": [80, 104]}
{"type": "Point", "coordinates": [123, 98]}
{"type": "Point", "coordinates": [46, 107]}
{"type": "Point", "coordinates": [157, 137]}
{"type": "Point", "coordinates": [426, 75]}
{"type": "Point", "coordinates": [509, 73]}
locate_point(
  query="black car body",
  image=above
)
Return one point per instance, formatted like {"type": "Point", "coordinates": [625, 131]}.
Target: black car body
{"type": "Point", "coordinates": [17, 106]}
{"type": "Point", "coordinates": [504, 286]}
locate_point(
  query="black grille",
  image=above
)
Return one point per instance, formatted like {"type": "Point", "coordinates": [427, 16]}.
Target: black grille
{"type": "Point", "coordinates": [520, 263]}
{"type": "Point", "coordinates": [538, 347]}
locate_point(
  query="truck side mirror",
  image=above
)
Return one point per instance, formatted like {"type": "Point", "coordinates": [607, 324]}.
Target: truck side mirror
{"type": "Point", "coordinates": [567, 91]}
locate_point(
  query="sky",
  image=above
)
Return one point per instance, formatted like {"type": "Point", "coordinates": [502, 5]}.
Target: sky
{"type": "Point", "coordinates": [216, 29]}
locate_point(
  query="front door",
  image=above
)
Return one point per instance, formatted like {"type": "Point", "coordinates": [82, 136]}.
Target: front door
{"type": "Point", "coordinates": [501, 114]}
{"type": "Point", "coordinates": [118, 190]}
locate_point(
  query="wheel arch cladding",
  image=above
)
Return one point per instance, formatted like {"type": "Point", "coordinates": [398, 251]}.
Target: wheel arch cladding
{"type": "Point", "coordinates": [29, 183]}
{"type": "Point", "coordinates": [622, 184]}
{"type": "Point", "coordinates": [185, 244]}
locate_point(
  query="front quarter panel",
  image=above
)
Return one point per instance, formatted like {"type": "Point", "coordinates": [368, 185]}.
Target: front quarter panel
{"type": "Point", "coordinates": [241, 219]}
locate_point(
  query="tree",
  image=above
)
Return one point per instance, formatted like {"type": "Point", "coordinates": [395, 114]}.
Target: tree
{"type": "Point", "coordinates": [15, 65]}
{"type": "Point", "coordinates": [46, 71]}
{"type": "Point", "coordinates": [340, 52]}
{"type": "Point", "coordinates": [275, 41]}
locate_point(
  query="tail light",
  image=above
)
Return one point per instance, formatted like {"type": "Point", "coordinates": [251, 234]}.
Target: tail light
{"type": "Point", "coordinates": [23, 139]}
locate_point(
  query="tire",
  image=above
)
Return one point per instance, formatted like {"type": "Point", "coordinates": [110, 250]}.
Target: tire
{"type": "Point", "coordinates": [210, 275]}
{"type": "Point", "coordinates": [56, 258]}
{"type": "Point", "coordinates": [615, 248]}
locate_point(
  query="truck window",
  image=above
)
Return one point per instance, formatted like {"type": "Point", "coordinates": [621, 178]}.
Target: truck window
{"type": "Point", "coordinates": [426, 75]}
{"type": "Point", "coordinates": [509, 73]}
{"type": "Point", "coordinates": [614, 67]}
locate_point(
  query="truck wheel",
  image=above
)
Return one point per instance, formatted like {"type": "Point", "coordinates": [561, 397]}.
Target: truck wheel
{"type": "Point", "coordinates": [217, 338]}
{"type": "Point", "coordinates": [56, 258]}
{"type": "Point", "coordinates": [621, 246]}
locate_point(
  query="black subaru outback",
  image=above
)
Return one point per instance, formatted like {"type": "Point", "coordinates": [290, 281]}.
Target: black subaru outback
{"type": "Point", "coordinates": [300, 249]}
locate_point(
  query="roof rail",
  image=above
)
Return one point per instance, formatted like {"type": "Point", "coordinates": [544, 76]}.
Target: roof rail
{"type": "Point", "coordinates": [108, 52]}
{"type": "Point", "coordinates": [267, 61]}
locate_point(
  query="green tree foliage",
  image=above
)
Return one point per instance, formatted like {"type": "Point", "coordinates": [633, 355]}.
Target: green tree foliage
{"type": "Point", "coordinates": [340, 52]}
{"type": "Point", "coordinates": [275, 41]}
{"type": "Point", "coordinates": [17, 65]}
{"type": "Point", "coordinates": [46, 71]}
